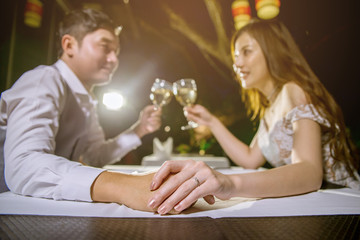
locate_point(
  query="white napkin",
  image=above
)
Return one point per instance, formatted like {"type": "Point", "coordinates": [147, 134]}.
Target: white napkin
{"type": "Point", "coordinates": [162, 150]}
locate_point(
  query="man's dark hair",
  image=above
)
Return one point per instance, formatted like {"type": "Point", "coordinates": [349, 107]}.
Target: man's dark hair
{"type": "Point", "coordinates": [78, 23]}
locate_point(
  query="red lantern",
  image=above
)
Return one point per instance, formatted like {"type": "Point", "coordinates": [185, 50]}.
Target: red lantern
{"type": "Point", "coordinates": [267, 9]}
{"type": "Point", "coordinates": [33, 13]}
{"type": "Point", "coordinates": [241, 13]}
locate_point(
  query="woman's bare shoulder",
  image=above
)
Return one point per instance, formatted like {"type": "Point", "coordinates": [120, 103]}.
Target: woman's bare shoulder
{"type": "Point", "coordinates": [293, 95]}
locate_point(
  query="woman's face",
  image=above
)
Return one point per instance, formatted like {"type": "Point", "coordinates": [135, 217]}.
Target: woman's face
{"type": "Point", "coordinates": [250, 64]}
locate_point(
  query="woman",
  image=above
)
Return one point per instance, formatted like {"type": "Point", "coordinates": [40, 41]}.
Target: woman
{"type": "Point", "coordinates": [301, 132]}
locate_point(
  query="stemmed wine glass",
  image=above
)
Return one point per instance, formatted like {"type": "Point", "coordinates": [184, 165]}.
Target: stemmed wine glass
{"type": "Point", "coordinates": [185, 92]}
{"type": "Point", "coordinates": [161, 93]}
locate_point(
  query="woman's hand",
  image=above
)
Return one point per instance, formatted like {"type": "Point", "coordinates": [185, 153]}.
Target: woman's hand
{"type": "Point", "coordinates": [200, 115]}
{"type": "Point", "coordinates": [191, 181]}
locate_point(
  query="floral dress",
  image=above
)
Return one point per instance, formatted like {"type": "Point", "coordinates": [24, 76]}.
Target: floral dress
{"type": "Point", "coordinates": [276, 145]}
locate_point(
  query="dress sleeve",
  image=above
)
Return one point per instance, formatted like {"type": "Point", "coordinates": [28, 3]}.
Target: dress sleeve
{"type": "Point", "coordinates": [307, 111]}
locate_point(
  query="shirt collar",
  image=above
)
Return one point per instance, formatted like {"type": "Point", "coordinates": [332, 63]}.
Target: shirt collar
{"type": "Point", "coordinates": [74, 83]}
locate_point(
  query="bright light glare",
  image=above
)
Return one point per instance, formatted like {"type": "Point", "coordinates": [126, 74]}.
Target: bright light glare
{"type": "Point", "coordinates": [113, 100]}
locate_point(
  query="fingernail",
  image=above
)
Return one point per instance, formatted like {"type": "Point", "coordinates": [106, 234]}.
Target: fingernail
{"type": "Point", "coordinates": [152, 186]}
{"type": "Point", "coordinates": [162, 210]}
{"type": "Point", "coordinates": [178, 208]}
{"type": "Point", "coordinates": [152, 203]}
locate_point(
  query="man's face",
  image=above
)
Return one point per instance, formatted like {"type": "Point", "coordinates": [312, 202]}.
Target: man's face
{"type": "Point", "coordinates": [96, 59]}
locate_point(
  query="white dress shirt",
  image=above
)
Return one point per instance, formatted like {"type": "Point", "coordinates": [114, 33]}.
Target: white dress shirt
{"type": "Point", "coordinates": [49, 123]}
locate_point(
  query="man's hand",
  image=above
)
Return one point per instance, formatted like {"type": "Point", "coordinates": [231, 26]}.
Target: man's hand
{"type": "Point", "coordinates": [130, 190]}
{"type": "Point", "coordinates": [149, 121]}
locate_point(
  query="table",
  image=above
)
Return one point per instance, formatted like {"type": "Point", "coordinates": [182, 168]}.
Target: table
{"type": "Point", "coordinates": [242, 225]}
{"type": "Point", "coordinates": [302, 227]}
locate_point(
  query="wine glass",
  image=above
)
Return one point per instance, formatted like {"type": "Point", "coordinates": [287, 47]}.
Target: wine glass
{"type": "Point", "coordinates": [185, 92]}
{"type": "Point", "coordinates": [161, 93]}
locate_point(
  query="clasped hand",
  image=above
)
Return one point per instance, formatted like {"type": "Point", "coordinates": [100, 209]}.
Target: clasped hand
{"type": "Point", "coordinates": [179, 184]}
{"type": "Point", "coordinates": [190, 181]}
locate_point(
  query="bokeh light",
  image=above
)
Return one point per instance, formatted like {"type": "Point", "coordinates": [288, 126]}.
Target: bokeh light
{"type": "Point", "coordinates": [113, 100]}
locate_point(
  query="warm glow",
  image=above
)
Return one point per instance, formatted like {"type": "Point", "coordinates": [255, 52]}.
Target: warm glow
{"type": "Point", "coordinates": [267, 9]}
{"type": "Point", "coordinates": [113, 100]}
{"type": "Point", "coordinates": [241, 13]}
{"type": "Point", "coordinates": [33, 13]}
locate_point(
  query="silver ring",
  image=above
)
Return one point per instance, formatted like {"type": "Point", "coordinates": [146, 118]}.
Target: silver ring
{"type": "Point", "coordinates": [197, 181]}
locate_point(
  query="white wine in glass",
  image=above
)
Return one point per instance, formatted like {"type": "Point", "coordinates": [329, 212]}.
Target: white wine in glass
{"type": "Point", "coordinates": [161, 93]}
{"type": "Point", "coordinates": [185, 92]}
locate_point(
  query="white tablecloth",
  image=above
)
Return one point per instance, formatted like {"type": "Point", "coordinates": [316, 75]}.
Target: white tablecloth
{"type": "Point", "coordinates": [324, 202]}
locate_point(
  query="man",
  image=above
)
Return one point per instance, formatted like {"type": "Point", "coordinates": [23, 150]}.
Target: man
{"type": "Point", "coordinates": [49, 127]}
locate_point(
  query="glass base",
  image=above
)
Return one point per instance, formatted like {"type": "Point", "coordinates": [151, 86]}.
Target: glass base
{"type": "Point", "coordinates": [190, 125]}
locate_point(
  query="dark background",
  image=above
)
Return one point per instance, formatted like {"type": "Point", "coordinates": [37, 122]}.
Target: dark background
{"type": "Point", "coordinates": [325, 30]}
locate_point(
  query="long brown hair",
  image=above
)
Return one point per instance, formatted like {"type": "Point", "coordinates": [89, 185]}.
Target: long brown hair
{"type": "Point", "coordinates": [286, 63]}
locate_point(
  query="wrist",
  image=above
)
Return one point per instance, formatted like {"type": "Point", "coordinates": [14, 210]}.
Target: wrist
{"type": "Point", "coordinates": [138, 130]}
{"type": "Point", "coordinates": [236, 183]}
{"type": "Point", "coordinates": [214, 121]}
{"type": "Point", "coordinates": [108, 187]}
